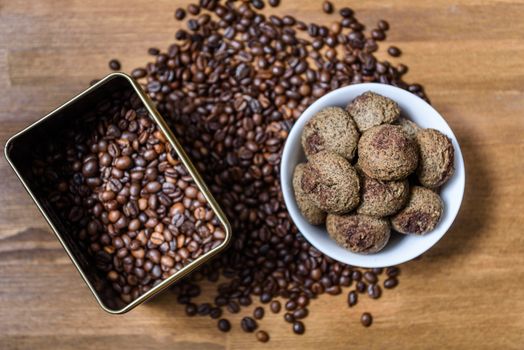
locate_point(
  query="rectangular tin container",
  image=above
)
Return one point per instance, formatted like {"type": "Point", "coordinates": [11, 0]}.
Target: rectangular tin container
{"type": "Point", "coordinates": [18, 154]}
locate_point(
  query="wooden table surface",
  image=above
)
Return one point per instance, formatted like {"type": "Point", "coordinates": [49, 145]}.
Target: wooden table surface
{"type": "Point", "coordinates": [467, 292]}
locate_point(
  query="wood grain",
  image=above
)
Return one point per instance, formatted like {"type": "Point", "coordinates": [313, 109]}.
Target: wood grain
{"type": "Point", "coordinates": [467, 292]}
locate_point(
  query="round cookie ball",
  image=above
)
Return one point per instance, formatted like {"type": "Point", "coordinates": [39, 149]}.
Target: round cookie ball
{"type": "Point", "coordinates": [436, 158]}
{"type": "Point", "coordinates": [371, 109]}
{"type": "Point", "coordinates": [311, 213]}
{"type": "Point", "coordinates": [359, 233]}
{"type": "Point", "coordinates": [386, 153]}
{"type": "Point", "coordinates": [421, 213]}
{"type": "Point", "coordinates": [331, 129]}
{"type": "Point", "coordinates": [331, 183]}
{"type": "Point", "coordinates": [410, 128]}
{"type": "Point", "coordinates": [382, 198]}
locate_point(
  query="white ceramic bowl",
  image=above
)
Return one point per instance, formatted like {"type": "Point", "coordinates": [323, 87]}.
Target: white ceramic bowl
{"type": "Point", "coordinates": [401, 248]}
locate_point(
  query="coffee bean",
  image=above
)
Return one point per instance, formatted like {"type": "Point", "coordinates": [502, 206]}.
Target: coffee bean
{"type": "Point", "coordinates": [392, 271]}
{"type": "Point", "coordinates": [274, 3]}
{"type": "Point", "coordinates": [262, 336]}
{"type": "Point", "coordinates": [233, 307]}
{"type": "Point", "coordinates": [224, 325]}
{"type": "Point", "coordinates": [275, 306]}
{"type": "Point", "coordinates": [291, 305]}
{"type": "Point", "coordinates": [352, 298]}
{"type": "Point", "coordinates": [258, 313]}
{"type": "Point", "coordinates": [383, 25]}
{"type": "Point", "coordinates": [366, 319]}
{"type": "Point", "coordinates": [390, 283]}
{"type": "Point", "coordinates": [394, 51]}
{"type": "Point", "coordinates": [361, 287]}
{"type": "Point", "coordinates": [288, 316]}
{"type": "Point", "coordinates": [370, 277]}
{"type": "Point", "coordinates": [180, 14]}
{"type": "Point", "coordinates": [215, 312]}
{"type": "Point", "coordinates": [248, 324]}
{"type": "Point", "coordinates": [327, 7]}
{"type": "Point", "coordinates": [298, 327]}
{"type": "Point", "coordinates": [114, 64]}
{"type": "Point", "coordinates": [300, 313]}
{"type": "Point", "coordinates": [374, 291]}
{"type": "Point", "coordinates": [191, 309]}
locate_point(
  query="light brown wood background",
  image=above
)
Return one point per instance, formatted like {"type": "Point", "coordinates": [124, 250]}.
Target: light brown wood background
{"type": "Point", "coordinates": [467, 292]}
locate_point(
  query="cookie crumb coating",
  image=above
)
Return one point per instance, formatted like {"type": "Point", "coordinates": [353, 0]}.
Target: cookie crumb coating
{"type": "Point", "coordinates": [311, 213]}
{"type": "Point", "coordinates": [331, 129]}
{"type": "Point", "coordinates": [421, 214]}
{"type": "Point", "coordinates": [386, 153]}
{"type": "Point", "coordinates": [371, 109]}
{"type": "Point", "coordinates": [361, 234]}
{"type": "Point", "coordinates": [382, 198]}
{"type": "Point", "coordinates": [331, 183]}
{"type": "Point", "coordinates": [436, 160]}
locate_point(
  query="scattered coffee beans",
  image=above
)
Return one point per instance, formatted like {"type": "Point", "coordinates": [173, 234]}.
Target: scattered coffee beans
{"type": "Point", "coordinates": [115, 180]}
{"type": "Point", "coordinates": [258, 313]}
{"type": "Point", "coordinates": [298, 327]}
{"type": "Point", "coordinates": [231, 88]}
{"type": "Point", "coordinates": [275, 306]}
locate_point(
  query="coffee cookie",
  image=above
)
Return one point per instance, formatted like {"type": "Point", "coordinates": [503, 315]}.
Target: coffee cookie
{"type": "Point", "coordinates": [331, 129]}
{"type": "Point", "coordinates": [421, 213]}
{"type": "Point", "coordinates": [371, 109]}
{"type": "Point", "coordinates": [359, 233]}
{"type": "Point", "coordinates": [311, 213]}
{"type": "Point", "coordinates": [382, 198]}
{"type": "Point", "coordinates": [436, 158]}
{"type": "Point", "coordinates": [331, 183]}
{"type": "Point", "coordinates": [386, 153]}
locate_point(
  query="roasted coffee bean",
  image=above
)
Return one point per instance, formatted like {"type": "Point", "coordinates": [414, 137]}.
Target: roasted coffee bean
{"type": "Point", "coordinates": [215, 312]}
{"type": "Point", "coordinates": [383, 25]}
{"type": "Point", "coordinates": [374, 291]}
{"type": "Point", "coordinates": [361, 287]}
{"type": "Point", "coordinates": [258, 313]}
{"type": "Point", "coordinates": [298, 327]}
{"type": "Point", "coordinates": [366, 319]}
{"type": "Point", "coordinates": [114, 64]}
{"type": "Point", "coordinates": [327, 7]}
{"type": "Point", "coordinates": [262, 336]}
{"type": "Point", "coordinates": [394, 51]}
{"type": "Point", "coordinates": [180, 14]}
{"type": "Point", "coordinates": [370, 277]}
{"type": "Point", "coordinates": [224, 325]}
{"type": "Point", "coordinates": [275, 306]}
{"type": "Point", "coordinates": [352, 298]}
{"type": "Point", "coordinates": [291, 305]}
{"type": "Point", "coordinates": [288, 316]}
{"type": "Point", "coordinates": [233, 307]}
{"type": "Point", "coordinates": [390, 283]}
{"type": "Point", "coordinates": [392, 271]}
{"type": "Point", "coordinates": [274, 3]}
{"type": "Point", "coordinates": [248, 324]}
{"type": "Point", "coordinates": [300, 313]}
{"type": "Point", "coordinates": [191, 309]}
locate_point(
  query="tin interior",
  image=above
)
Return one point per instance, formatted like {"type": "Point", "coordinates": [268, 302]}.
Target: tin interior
{"type": "Point", "coordinates": [19, 153]}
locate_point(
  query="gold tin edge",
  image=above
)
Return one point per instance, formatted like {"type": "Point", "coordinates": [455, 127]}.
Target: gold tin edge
{"type": "Point", "coordinates": [185, 160]}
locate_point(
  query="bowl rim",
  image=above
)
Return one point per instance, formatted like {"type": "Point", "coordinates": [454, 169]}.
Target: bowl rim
{"type": "Point", "coordinates": [288, 193]}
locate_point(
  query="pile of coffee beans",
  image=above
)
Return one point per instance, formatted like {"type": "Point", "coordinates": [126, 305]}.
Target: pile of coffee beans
{"type": "Point", "coordinates": [231, 86]}
{"type": "Point", "coordinates": [115, 181]}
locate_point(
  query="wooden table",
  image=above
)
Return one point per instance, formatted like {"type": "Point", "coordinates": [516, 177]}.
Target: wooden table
{"type": "Point", "coordinates": [467, 292]}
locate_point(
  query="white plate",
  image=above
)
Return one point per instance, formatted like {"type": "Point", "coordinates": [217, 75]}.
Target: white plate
{"type": "Point", "coordinates": [401, 248]}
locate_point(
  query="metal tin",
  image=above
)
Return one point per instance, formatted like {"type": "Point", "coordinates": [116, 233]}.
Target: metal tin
{"type": "Point", "coordinates": [17, 151]}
